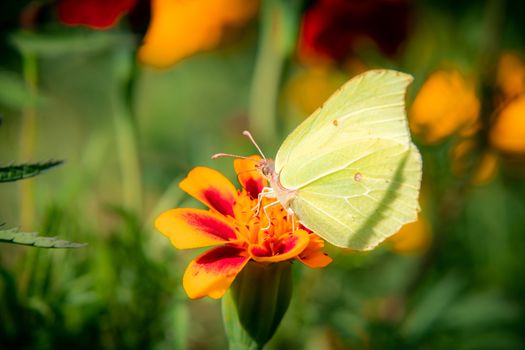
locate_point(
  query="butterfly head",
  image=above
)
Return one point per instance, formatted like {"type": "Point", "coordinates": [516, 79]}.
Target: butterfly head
{"type": "Point", "coordinates": [267, 168]}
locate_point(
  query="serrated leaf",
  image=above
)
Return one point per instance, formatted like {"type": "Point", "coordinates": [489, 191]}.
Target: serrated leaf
{"type": "Point", "coordinates": [33, 239]}
{"type": "Point", "coordinates": [24, 171]}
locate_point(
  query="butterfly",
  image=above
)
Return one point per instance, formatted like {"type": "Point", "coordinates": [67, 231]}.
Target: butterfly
{"type": "Point", "coordinates": [350, 172]}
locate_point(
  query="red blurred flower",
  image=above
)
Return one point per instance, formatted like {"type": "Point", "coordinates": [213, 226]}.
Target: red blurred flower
{"type": "Point", "coordinates": [98, 14]}
{"type": "Point", "coordinates": [331, 28]}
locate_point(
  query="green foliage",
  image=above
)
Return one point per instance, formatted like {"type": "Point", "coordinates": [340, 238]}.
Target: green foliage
{"type": "Point", "coordinates": [33, 239]}
{"type": "Point", "coordinates": [23, 171]}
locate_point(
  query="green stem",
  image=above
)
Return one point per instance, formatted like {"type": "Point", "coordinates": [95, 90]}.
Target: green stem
{"type": "Point", "coordinates": [279, 23]}
{"type": "Point", "coordinates": [28, 137]}
{"type": "Point", "coordinates": [126, 138]}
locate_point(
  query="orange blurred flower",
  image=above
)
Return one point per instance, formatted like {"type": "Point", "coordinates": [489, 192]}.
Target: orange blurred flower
{"type": "Point", "coordinates": [485, 168]}
{"type": "Point", "coordinates": [241, 234]}
{"type": "Point", "coordinates": [511, 75]}
{"type": "Point", "coordinates": [508, 130]}
{"type": "Point", "coordinates": [446, 104]}
{"type": "Point", "coordinates": [412, 238]}
{"type": "Point", "coordinates": [180, 28]}
{"type": "Point", "coordinates": [310, 87]}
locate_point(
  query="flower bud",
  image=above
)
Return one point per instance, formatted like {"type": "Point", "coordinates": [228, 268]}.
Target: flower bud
{"type": "Point", "coordinates": [261, 294]}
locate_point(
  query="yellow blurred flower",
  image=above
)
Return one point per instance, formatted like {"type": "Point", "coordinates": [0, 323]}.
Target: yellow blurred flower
{"type": "Point", "coordinates": [446, 104]}
{"type": "Point", "coordinates": [180, 28]}
{"type": "Point", "coordinates": [413, 238]}
{"type": "Point", "coordinates": [511, 75]}
{"type": "Point", "coordinates": [508, 132]}
{"type": "Point", "coordinates": [309, 88]}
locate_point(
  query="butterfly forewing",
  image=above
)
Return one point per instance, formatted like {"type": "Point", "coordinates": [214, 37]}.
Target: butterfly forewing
{"type": "Point", "coordinates": [370, 105]}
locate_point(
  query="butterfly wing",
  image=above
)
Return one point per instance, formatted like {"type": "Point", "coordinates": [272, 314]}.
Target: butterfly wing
{"type": "Point", "coordinates": [361, 129]}
{"type": "Point", "coordinates": [369, 106]}
{"type": "Point", "coordinates": [367, 201]}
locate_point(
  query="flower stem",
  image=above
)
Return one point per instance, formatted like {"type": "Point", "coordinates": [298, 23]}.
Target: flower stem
{"type": "Point", "coordinates": [28, 137]}
{"type": "Point", "coordinates": [126, 139]}
{"type": "Point", "coordinates": [276, 40]}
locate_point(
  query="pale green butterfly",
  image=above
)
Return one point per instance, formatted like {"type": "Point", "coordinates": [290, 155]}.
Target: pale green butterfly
{"type": "Point", "coordinates": [350, 172]}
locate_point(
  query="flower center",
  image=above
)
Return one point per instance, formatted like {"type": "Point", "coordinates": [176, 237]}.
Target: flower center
{"type": "Point", "coordinates": [264, 224]}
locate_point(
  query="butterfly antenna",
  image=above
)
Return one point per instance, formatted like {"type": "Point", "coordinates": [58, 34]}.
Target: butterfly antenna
{"type": "Point", "coordinates": [249, 135]}
{"type": "Point", "coordinates": [218, 155]}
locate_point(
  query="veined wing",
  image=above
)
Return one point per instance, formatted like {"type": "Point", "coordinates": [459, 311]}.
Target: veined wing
{"type": "Point", "coordinates": [369, 106]}
{"type": "Point", "coordinates": [367, 201]}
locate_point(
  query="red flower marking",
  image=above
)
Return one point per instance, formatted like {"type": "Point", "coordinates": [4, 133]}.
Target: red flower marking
{"type": "Point", "coordinates": [210, 225]}
{"type": "Point", "coordinates": [218, 202]}
{"type": "Point", "coordinates": [287, 244]}
{"type": "Point", "coordinates": [273, 247]}
{"type": "Point", "coordinates": [222, 259]}
{"type": "Point", "coordinates": [254, 187]}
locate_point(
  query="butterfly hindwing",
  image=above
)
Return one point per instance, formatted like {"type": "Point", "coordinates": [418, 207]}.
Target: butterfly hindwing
{"type": "Point", "coordinates": [361, 205]}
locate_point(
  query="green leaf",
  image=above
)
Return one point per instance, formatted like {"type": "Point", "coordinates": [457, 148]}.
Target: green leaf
{"type": "Point", "coordinates": [32, 238]}
{"type": "Point", "coordinates": [77, 40]}
{"type": "Point", "coordinates": [24, 171]}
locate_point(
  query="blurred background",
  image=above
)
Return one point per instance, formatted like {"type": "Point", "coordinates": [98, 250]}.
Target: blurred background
{"type": "Point", "coordinates": [132, 94]}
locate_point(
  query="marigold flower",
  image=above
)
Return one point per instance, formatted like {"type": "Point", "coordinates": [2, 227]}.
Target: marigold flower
{"type": "Point", "coordinates": [180, 28]}
{"type": "Point", "coordinates": [240, 233]}
{"type": "Point", "coordinates": [97, 14]}
{"type": "Point", "coordinates": [446, 104]}
{"type": "Point", "coordinates": [508, 132]}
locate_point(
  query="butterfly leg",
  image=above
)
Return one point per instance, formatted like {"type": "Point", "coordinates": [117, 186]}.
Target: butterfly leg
{"type": "Point", "coordinates": [290, 214]}
{"type": "Point", "coordinates": [266, 214]}
{"type": "Point", "coordinates": [265, 192]}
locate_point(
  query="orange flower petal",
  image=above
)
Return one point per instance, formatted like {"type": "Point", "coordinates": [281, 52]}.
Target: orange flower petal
{"type": "Point", "coordinates": [212, 273]}
{"type": "Point", "coordinates": [211, 188]}
{"type": "Point", "coordinates": [249, 176]}
{"type": "Point", "coordinates": [286, 249]}
{"type": "Point", "coordinates": [313, 256]}
{"type": "Point", "coordinates": [194, 228]}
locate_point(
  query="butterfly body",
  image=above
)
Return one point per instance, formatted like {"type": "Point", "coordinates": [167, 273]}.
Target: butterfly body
{"type": "Point", "coordinates": [350, 172]}
{"type": "Point", "coordinates": [284, 195]}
